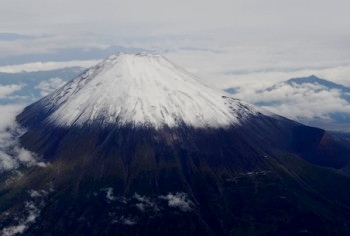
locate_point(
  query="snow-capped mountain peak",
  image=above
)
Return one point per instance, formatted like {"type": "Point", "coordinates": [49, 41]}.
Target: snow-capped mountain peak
{"type": "Point", "coordinates": [141, 90]}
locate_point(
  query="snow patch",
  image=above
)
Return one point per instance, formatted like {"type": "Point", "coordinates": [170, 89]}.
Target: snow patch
{"type": "Point", "coordinates": [13, 230]}
{"type": "Point", "coordinates": [30, 213]}
{"type": "Point", "coordinates": [125, 220]}
{"type": "Point", "coordinates": [133, 209]}
{"type": "Point", "coordinates": [109, 194]}
{"type": "Point", "coordinates": [141, 90]}
{"type": "Point", "coordinates": [37, 193]}
{"type": "Point", "coordinates": [178, 200]}
{"type": "Point", "coordinates": [42, 164]}
{"type": "Point", "coordinates": [145, 203]}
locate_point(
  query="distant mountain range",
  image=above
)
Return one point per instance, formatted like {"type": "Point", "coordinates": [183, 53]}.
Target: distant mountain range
{"type": "Point", "coordinates": [321, 85]}
{"type": "Point", "coordinates": [314, 101]}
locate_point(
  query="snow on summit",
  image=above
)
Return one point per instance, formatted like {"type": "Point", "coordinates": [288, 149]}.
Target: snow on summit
{"type": "Point", "coordinates": [141, 90]}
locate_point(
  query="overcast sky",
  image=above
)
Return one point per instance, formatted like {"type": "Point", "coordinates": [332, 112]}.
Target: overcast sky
{"type": "Point", "coordinates": [227, 43]}
{"type": "Point", "coordinates": [237, 36]}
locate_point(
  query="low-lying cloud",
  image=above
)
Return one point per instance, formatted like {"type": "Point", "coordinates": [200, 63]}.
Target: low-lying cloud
{"type": "Point", "coordinates": [6, 90]}
{"type": "Point", "coordinates": [310, 103]}
{"type": "Point", "coordinates": [50, 85]}
{"type": "Point", "coordinates": [12, 155]}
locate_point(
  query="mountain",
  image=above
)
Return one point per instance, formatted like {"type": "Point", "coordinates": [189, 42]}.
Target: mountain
{"type": "Point", "coordinates": [310, 100]}
{"type": "Point", "coordinates": [333, 119]}
{"type": "Point", "coordinates": [137, 146]}
{"type": "Point", "coordinates": [312, 79]}
{"type": "Point", "coordinates": [136, 94]}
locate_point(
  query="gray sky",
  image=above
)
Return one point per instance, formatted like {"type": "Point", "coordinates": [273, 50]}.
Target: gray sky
{"type": "Point", "coordinates": [217, 40]}
{"type": "Point", "coordinates": [228, 43]}
{"type": "Point", "coordinates": [261, 27]}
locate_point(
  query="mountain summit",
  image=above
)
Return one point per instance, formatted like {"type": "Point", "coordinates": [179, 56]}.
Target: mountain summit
{"type": "Point", "coordinates": [137, 146]}
{"type": "Point", "coordinates": [139, 90]}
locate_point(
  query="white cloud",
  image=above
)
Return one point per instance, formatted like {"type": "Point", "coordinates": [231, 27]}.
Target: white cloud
{"type": "Point", "coordinates": [7, 118]}
{"type": "Point", "coordinates": [46, 66]}
{"type": "Point", "coordinates": [6, 90]}
{"type": "Point", "coordinates": [300, 102]}
{"type": "Point", "coordinates": [42, 164]}
{"type": "Point", "coordinates": [145, 203]}
{"type": "Point", "coordinates": [11, 153]}
{"type": "Point", "coordinates": [50, 85]}
{"type": "Point", "coordinates": [24, 156]}
{"type": "Point", "coordinates": [32, 213]}
{"type": "Point", "coordinates": [178, 200]}
{"type": "Point", "coordinates": [7, 162]}
{"type": "Point", "coordinates": [14, 230]}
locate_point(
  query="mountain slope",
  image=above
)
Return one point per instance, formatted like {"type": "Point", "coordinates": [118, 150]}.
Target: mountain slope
{"type": "Point", "coordinates": [213, 165]}
{"type": "Point", "coordinates": [131, 90]}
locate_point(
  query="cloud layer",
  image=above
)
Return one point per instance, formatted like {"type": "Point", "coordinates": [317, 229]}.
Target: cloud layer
{"type": "Point", "coordinates": [304, 101]}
